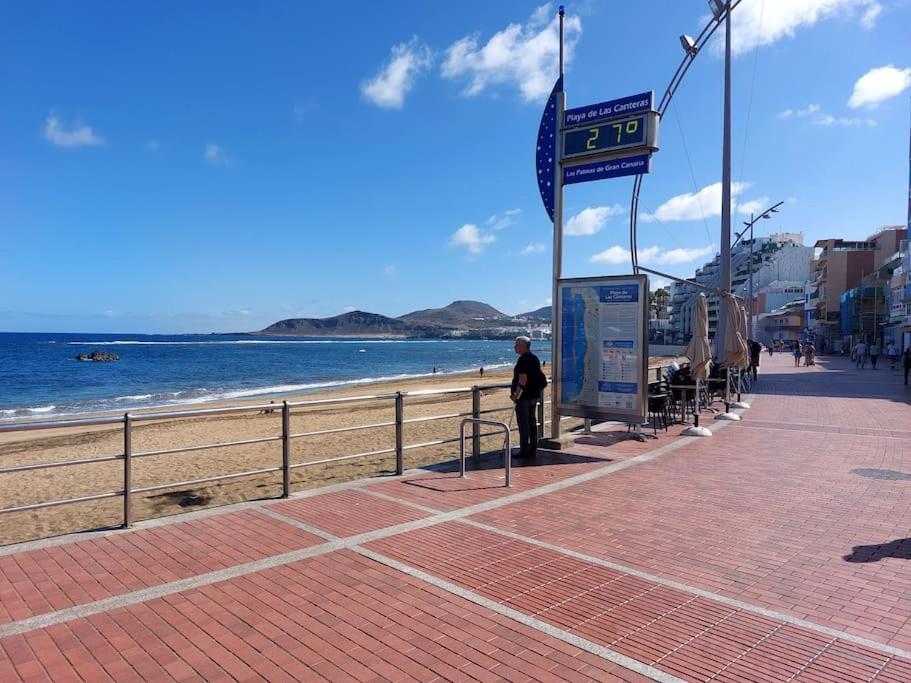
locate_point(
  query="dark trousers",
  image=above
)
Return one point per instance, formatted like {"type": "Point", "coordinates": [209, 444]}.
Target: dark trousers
{"type": "Point", "coordinates": [526, 410]}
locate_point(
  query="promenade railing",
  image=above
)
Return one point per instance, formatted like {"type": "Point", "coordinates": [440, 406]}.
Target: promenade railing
{"type": "Point", "coordinates": [286, 436]}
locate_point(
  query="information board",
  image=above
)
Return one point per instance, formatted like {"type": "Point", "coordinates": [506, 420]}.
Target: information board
{"type": "Point", "coordinates": [604, 348]}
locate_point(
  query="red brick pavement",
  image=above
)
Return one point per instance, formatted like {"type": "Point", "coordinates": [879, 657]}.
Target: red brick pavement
{"type": "Point", "coordinates": [720, 559]}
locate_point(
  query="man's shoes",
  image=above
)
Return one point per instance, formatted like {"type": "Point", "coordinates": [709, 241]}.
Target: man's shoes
{"type": "Point", "coordinates": [522, 455]}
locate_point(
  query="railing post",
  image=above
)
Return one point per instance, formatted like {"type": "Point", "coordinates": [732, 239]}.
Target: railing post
{"type": "Point", "coordinates": [541, 417]}
{"type": "Point", "coordinates": [286, 450]}
{"type": "Point", "coordinates": [127, 470]}
{"type": "Point", "coordinates": [475, 427]}
{"type": "Point", "coordinates": [399, 433]}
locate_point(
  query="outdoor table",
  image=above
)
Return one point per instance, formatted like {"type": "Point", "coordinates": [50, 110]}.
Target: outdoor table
{"type": "Point", "coordinates": [685, 388]}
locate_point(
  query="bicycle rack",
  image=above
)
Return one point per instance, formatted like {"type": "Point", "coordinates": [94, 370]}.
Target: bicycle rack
{"type": "Point", "coordinates": [507, 457]}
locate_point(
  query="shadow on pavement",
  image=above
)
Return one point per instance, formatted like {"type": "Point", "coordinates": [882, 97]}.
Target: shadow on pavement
{"type": "Point", "coordinates": [900, 549]}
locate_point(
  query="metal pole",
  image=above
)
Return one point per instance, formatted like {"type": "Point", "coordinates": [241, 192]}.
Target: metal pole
{"type": "Point", "coordinates": [750, 312]}
{"type": "Point", "coordinates": [541, 418]}
{"type": "Point", "coordinates": [127, 470]}
{"type": "Point", "coordinates": [286, 450]}
{"type": "Point", "coordinates": [475, 427]}
{"type": "Point", "coordinates": [399, 433]}
{"type": "Point", "coordinates": [725, 190]}
{"type": "Point", "coordinates": [556, 372]}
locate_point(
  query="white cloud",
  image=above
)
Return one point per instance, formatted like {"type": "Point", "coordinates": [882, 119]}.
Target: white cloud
{"type": "Point", "coordinates": [388, 88]}
{"type": "Point", "coordinates": [591, 220]}
{"type": "Point", "coordinates": [878, 85]}
{"type": "Point", "coordinates": [389, 271]}
{"type": "Point", "coordinates": [829, 120]}
{"type": "Point", "coordinates": [868, 21]}
{"type": "Point", "coordinates": [499, 221]}
{"type": "Point", "coordinates": [658, 283]}
{"type": "Point", "coordinates": [693, 206]}
{"type": "Point", "coordinates": [753, 206]}
{"type": "Point", "coordinates": [79, 135]}
{"type": "Point", "coordinates": [215, 155]}
{"type": "Point", "coordinates": [534, 248]}
{"type": "Point", "coordinates": [470, 237]}
{"type": "Point", "coordinates": [521, 55]}
{"type": "Point", "coordinates": [617, 255]}
{"type": "Point", "coordinates": [806, 111]}
{"type": "Point", "coordinates": [763, 22]}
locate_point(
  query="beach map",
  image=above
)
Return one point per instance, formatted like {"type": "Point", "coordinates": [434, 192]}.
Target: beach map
{"type": "Point", "coordinates": [601, 346]}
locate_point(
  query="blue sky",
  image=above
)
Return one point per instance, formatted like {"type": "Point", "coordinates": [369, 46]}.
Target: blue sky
{"type": "Point", "coordinates": [216, 166]}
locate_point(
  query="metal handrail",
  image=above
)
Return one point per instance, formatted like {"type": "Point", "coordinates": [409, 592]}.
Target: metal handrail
{"type": "Point", "coordinates": [507, 453]}
{"type": "Point", "coordinates": [286, 437]}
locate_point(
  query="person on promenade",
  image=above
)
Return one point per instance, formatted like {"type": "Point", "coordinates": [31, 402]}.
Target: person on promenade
{"type": "Point", "coordinates": [482, 371]}
{"type": "Point", "coordinates": [798, 354]}
{"type": "Point", "coordinates": [859, 354]}
{"type": "Point", "coordinates": [892, 354]}
{"type": "Point", "coordinates": [528, 381]}
{"type": "Point", "coordinates": [771, 349]}
{"type": "Point", "coordinates": [874, 354]}
{"type": "Point", "coordinates": [906, 362]}
{"type": "Point", "coordinates": [810, 355]}
{"type": "Point", "coordinates": [755, 351]}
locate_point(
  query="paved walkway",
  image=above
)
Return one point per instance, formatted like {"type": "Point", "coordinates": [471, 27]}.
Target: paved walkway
{"type": "Point", "coordinates": [775, 550]}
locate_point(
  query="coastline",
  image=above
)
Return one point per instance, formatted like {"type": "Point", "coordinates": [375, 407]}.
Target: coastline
{"type": "Point", "coordinates": [326, 429]}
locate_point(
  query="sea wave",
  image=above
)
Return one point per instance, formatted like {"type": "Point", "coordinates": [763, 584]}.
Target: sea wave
{"type": "Point", "coordinates": [129, 342]}
{"type": "Point", "coordinates": [193, 396]}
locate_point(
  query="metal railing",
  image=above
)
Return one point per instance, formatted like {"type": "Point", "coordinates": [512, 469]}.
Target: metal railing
{"type": "Point", "coordinates": [129, 420]}
{"type": "Point", "coordinates": [128, 455]}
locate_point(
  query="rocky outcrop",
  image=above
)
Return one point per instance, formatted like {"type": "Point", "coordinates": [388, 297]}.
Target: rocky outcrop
{"type": "Point", "coordinates": [102, 356]}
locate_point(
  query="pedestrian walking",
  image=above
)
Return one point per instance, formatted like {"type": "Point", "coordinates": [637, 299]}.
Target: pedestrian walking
{"type": "Point", "coordinates": [528, 381]}
{"type": "Point", "coordinates": [798, 354]}
{"type": "Point", "coordinates": [771, 349]}
{"type": "Point", "coordinates": [892, 354]}
{"type": "Point", "coordinates": [755, 351]}
{"type": "Point", "coordinates": [874, 354]}
{"type": "Point", "coordinates": [906, 362]}
{"type": "Point", "coordinates": [859, 354]}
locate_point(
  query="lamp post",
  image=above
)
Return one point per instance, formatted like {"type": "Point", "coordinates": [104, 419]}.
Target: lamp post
{"type": "Point", "coordinates": [749, 226]}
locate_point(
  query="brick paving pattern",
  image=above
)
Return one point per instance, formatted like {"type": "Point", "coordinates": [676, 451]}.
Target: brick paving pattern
{"type": "Point", "coordinates": [775, 550]}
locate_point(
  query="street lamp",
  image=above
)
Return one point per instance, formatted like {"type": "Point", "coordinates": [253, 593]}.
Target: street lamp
{"type": "Point", "coordinates": [749, 226]}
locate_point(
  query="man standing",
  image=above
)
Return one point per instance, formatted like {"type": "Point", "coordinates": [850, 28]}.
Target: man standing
{"type": "Point", "coordinates": [859, 354]}
{"type": "Point", "coordinates": [526, 390]}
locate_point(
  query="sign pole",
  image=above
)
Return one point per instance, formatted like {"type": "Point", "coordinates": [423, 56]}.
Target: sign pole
{"type": "Point", "coordinates": [556, 369]}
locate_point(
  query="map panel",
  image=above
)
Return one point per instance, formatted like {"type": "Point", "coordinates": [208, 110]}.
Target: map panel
{"type": "Point", "coordinates": [604, 354]}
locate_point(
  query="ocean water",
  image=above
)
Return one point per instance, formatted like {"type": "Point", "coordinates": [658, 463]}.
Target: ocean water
{"type": "Point", "coordinates": [40, 378]}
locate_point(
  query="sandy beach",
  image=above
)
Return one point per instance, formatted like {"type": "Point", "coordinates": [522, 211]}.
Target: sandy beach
{"type": "Point", "coordinates": [21, 448]}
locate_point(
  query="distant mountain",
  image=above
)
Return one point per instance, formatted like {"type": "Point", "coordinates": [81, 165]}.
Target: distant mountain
{"type": "Point", "coordinates": [465, 319]}
{"type": "Point", "coordinates": [458, 315]}
{"type": "Point", "coordinates": [353, 324]}
{"type": "Point", "coordinates": [542, 314]}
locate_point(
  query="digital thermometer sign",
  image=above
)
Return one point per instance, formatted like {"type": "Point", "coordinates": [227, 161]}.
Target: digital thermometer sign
{"type": "Point", "coordinates": [619, 134]}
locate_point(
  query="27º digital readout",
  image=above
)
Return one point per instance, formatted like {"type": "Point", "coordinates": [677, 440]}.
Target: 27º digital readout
{"type": "Point", "coordinates": [605, 136]}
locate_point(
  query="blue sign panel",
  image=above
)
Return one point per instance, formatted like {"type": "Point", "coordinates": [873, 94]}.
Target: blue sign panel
{"type": "Point", "coordinates": [625, 106]}
{"type": "Point", "coordinates": [546, 153]}
{"type": "Point", "coordinates": [613, 168]}
{"type": "Point", "coordinates": [617, 387]}
{"type": "Point", "coordinates": [615, 294]}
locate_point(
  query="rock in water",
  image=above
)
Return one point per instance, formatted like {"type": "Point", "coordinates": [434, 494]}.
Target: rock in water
{"type": "Point", "coordinates": [98, 356]}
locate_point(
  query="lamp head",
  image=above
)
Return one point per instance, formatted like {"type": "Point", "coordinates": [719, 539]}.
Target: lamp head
{"type": "Point", "coordinates": [688, 45]}
{"type": "Point", "coordinates": [717, 7]}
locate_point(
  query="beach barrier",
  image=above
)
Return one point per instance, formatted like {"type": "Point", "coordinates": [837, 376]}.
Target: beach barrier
{"type": "Point", "coordinates": [285, 435]}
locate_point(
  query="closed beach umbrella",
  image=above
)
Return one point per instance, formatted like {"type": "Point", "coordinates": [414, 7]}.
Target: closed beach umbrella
{"type": "Point", "coordinates": [700, 354]}
{"type": "Point", "coordinates": [735, 352]}
{"type": "Point", "coordinates": [698, 350]}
